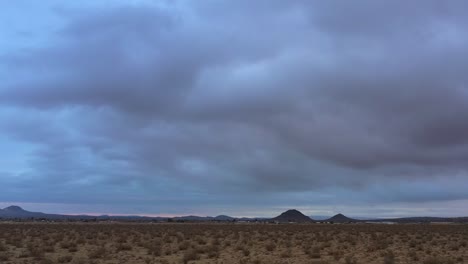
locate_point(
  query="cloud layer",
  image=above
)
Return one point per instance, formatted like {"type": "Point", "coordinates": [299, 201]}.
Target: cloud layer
{"type": "Point", "coordinates": [212, 105]}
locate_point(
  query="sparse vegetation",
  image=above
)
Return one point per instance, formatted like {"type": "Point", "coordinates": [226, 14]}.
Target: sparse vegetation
{"type": "Point", "coordinates": [190, 243]}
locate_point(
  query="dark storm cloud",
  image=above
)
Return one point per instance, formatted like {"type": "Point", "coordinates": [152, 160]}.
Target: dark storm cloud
{"type": "Point", "coordinates": [238, 98]}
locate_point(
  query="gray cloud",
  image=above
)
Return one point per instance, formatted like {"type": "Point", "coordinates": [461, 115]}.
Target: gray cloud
{"type": "Point", "coordinates": [244, 101]}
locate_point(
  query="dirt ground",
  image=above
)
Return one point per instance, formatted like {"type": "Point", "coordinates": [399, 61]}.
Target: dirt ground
{"type": "Point", "coordinates": [83, 243]}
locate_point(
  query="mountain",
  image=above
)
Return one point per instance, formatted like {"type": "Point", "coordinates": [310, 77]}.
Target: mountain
{"type": "Point", "coordinates": [340, 218]}
{"type": "Point", "coordinates": [223, 218]}
{"type": "Point", "coordinates": [14, 209]}
{"type": "Point", "coordinates": [324, 218]}
{"type": "Point", "coordinates": [192, 218]}
{"type": "Point", "coordinates": [204, 218]}
{"type": "Point", "coordinates": [292, 215]}
{"type": "Point", "coordinates": [18, 212]}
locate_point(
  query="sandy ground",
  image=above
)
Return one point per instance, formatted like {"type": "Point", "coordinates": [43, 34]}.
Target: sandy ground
{"type": "Point", "coordinates": [83, 243]}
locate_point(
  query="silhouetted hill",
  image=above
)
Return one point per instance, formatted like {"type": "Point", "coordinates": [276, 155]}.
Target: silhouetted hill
{"type": "Point", "coordinates": [292, 215]}
{"type": "Point", "coordinates": [340, 218]}
{"type": "Point", "coordinates": [14, 209]}
{"type": "Point", "coordinates": [223, 218]}
{"type": "Point", "coordinates": [18, 212]}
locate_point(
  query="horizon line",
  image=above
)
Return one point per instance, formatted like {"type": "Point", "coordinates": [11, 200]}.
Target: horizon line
{"type": "Point", "coordinates": [200, 215]}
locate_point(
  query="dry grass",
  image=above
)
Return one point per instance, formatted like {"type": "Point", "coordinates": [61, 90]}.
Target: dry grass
{"type": "Point", "coordinates": [106, 243]}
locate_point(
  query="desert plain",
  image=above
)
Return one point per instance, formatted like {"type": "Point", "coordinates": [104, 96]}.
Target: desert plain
{"type": "Point", "coordinates": [226, 243]}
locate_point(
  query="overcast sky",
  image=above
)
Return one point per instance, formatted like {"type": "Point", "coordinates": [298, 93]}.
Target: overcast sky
{"type": "Point", "coordinates": [239, 107]}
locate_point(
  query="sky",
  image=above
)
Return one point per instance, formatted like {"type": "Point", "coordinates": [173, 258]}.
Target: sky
{"type": "Point", "coordinates": [245, 108]}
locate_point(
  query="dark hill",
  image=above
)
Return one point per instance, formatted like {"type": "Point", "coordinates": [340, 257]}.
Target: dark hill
{"type": "Point", "coordinates": [18, 212]}
{"type": "Point", "coordinates": [14, 209]}
{"type": "Point", "coordinates": [340, 218]}
{"type": "Point", "coordinates": [223, 218]}
{"type": "Point", "coordinates": [292, 215]}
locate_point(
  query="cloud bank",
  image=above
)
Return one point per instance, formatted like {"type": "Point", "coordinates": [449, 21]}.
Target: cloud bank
{"type": "Point", "coordinates": [235, 105]}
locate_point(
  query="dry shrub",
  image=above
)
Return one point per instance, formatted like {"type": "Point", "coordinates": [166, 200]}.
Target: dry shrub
{"type": "Point", "coordinates": [412, 255]}
{"type": "Point", "coordinates": [438, 260]}
{"type": "Point", "coordinates": [246, 251]}
{"type": "Point", "coordinates": [48, 248]}
{"type": "Point", "coordinates": [314, 253]}
{"type": "Point", "coordinates": [123, 247]}
{"type": "Point", "coordinates": [80, 260]}
{"type": "Point", "coordinates": [184, 245]}
{"type": "Point", "coordinates": [154, 249]}
{"type": "Point", "coordinates": [3, 247]}
{"type": "Point", "coordinates": [389, 258]}
{"type": "Point", "coordinates": [190, 255]}
{"type": "Point", "coordinates": [270, 246]}
{"type": "Point", "coordinates": [73, 248]}
{"type": "Point", "coordinates": [256, 261]}
{"type": "Point", "coordinates": [286, 253]}
{"type": "Point", "coordinates": [213, 251]}
{"type": "Point", "coordinates": [97, 253]}
{"type": "Point", "coordinates": [24, 254]}
{"type": "Point", "coordinates": [350, 260]}
{"type": "Point", "coordinates": [46, 261]}
{"type": "Point", "coordinates": [64, 259]}
{"type": "Point", "coordinates": [4, 256]}
{"type": "Point", "coordinates": [319, 262]}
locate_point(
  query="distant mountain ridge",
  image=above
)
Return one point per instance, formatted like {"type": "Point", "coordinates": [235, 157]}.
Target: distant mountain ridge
{"type": "Point", "coordinates": [16, 212]}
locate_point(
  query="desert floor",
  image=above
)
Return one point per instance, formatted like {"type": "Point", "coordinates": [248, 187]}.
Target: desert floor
{"type": "Point", "coordinates": [82, 243]}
